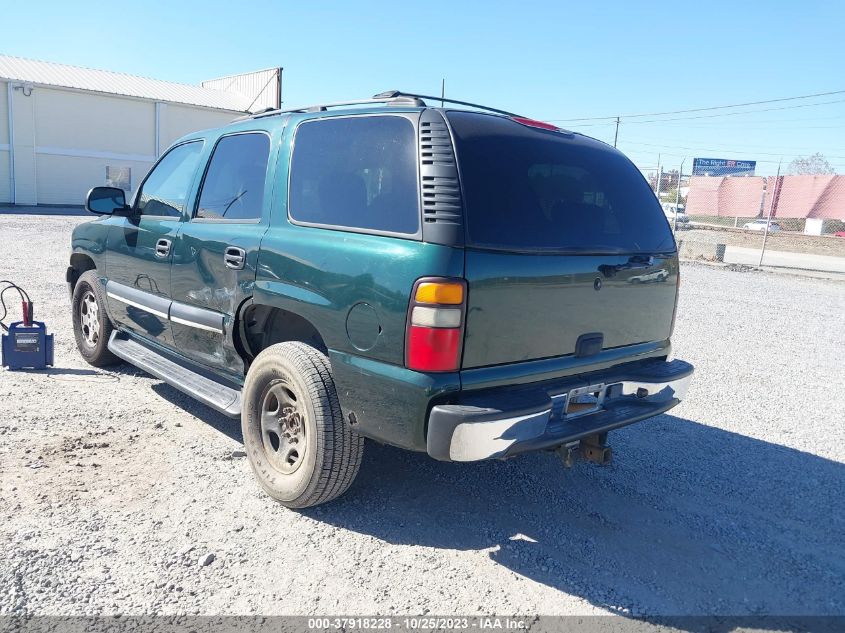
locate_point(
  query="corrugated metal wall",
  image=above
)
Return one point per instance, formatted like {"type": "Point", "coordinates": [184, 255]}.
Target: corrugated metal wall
{"type": "Point", "coordinates": [22, 104]}
{"type": "Point", "coordinates": [821, 196]}
{"type": "Point", "coordinates": [263, 87]}
{"type": "Point", "coordinates": [178, 120]}
{"type": "Point", "coordinates": [5, 172]}
{"type": "Point", "coordinates": [741, 196]}
{"type": "Point", "coordinates": [64, 140]}
{"type": "Point", "coordinates": [725, 196]}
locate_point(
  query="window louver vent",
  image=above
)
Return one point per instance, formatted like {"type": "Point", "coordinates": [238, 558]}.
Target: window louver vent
{"type": "Point", "coordinates": [441, 192]}
{"type": "Point", "coordinates": [436, 144]}
{"type": "Point", "coordinates": [441, 199]}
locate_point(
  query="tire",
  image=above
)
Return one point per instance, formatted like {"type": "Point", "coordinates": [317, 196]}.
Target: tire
{"type": "Point", "coordinates": [91, 324]}
{"type": "Point", "coordinates": [300, 449]}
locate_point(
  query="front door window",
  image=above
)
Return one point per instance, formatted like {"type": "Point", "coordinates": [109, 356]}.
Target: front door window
{"type": "Point", "coordinates": [165, 190]}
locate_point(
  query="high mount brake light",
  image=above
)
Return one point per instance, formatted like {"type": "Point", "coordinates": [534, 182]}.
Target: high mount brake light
{"type": "Point", "coordinates": [434, 336]}
{"type": "Point", "coordinates": [534, 123]}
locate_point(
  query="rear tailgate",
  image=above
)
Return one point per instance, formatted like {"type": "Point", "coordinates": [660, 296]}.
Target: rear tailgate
{"type": "Point", "coordinates": [524, 307]}
{"type": "Point", "coordinates": [564, 237]}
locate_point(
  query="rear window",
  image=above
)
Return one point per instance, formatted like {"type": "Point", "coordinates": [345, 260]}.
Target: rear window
{"type": "Point", "coordinates": [356, 172]}
{"type": "Point", "coordinates": [527, 189]}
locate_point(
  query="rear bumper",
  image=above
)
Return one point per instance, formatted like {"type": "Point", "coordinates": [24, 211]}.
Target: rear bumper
{"type": "Point", "coordinates": [502, 422]}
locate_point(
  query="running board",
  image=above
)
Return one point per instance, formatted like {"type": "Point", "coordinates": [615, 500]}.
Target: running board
{"type": "Point", "coordinates": [215, 394]}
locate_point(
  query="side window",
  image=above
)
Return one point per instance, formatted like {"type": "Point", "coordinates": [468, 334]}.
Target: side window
{"type": "Point", "coordinates": [166, 188]}
{"type": "Point", "coordinates": [356, 172]}
{"type": "Point", "coordinates": [233, 187]}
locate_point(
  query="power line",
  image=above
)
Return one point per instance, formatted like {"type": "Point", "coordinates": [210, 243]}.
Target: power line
{"type": "Point", "coordinates": [695, 141]}
{"type": "Point", "coordinates": [773, 124]}
{"type": "Point", "coordinates": [721, 107]}
{"type": "Point", "coordinates": [732, 129]}
{"type": "Point", "coordinates": [721, 114]}
{"type": "Point", "coordinates": [838, 166]}
{"type": "Point", "coordinates": [728, 149]}
{"type": "Point", "coordinates": [838, 117]}
{"type": "Point", "coordinates": [686, 154]}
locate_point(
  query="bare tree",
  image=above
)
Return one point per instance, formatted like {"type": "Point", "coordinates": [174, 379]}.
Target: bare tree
{"type": "Point", "coordinates": [810, 166]}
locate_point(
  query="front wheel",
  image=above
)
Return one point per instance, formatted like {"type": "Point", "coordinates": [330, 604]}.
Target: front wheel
{"type": "Point", "coordinates": [91, 325]}
{"type": "Point", "coordinates": [299, 448]}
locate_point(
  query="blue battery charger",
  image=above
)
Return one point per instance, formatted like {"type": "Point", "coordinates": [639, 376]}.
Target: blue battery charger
{"type": "Point", "coordinates": [27, 346]}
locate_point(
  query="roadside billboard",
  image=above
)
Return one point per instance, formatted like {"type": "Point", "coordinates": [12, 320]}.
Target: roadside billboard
{"type": "Point", "coordinates": [722, 167]}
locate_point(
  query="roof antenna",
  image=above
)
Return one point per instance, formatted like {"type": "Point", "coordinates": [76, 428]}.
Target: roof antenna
{"type": "Point", "coordinates": [442, 91]}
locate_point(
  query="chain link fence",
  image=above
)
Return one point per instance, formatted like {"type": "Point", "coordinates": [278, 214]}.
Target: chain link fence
{"type": "Point", "coordinates": [775, 199]}
{"type": "Point", "coordinates": [781, 221]}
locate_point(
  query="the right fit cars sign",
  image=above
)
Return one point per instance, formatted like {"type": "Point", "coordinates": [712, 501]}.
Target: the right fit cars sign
{"type": "Point", "coordinates": [722, 167]}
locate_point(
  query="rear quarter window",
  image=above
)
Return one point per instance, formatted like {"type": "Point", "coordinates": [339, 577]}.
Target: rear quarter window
{"type": "Point", "coordinates": [356, 172]}
{"type": "Point", "coordinates": [528, 189]}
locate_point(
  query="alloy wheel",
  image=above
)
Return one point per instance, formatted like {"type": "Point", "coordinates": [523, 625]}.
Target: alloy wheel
{"type": "Point", "coordinates": [89, 318]}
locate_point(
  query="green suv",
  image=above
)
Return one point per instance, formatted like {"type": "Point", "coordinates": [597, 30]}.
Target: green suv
{"type": "Point", "coordinates": [456, 280]}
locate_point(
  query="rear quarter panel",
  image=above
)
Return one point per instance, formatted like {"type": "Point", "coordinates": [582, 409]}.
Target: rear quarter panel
{"type": "Point", "coordinates": [323, 275]}
{"type": "Point", "coordinates": [355, 289]}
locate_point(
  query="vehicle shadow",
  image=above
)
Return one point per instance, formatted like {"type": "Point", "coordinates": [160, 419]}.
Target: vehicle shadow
{"type": "Point", "coordinates": [42, 210]}
{"type": "Point", "coordinates": [61, 371]}
{"type": "Point", "coordinates": [229, 427]}
{"type": "Point", "coordinates": [689, 519]}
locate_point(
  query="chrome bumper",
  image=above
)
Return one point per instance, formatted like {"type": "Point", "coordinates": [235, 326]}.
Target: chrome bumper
{"type": "Point", "coordinates": [519, 421]}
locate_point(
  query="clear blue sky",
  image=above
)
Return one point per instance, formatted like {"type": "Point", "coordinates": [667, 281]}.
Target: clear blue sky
{"type": "Point", "coordinates": [549, 60]}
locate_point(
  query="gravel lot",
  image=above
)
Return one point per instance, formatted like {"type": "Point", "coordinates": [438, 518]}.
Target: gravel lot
{"type": "Point", "coordinates": [120, 495]}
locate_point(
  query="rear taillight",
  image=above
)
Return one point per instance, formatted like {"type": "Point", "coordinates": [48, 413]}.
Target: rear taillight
{"type": "Point", "coordinates": [434, 337]}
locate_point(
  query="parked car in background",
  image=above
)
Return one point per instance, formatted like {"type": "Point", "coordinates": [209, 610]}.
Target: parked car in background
{"type": "Point", "coordinates": [671, 210]}
{"type": "Point", "coordinates": [392, 271]}
{"type": "Point", "coordinates": [760, 225]}
{"type": "Point", "coordinates": [658, 275]}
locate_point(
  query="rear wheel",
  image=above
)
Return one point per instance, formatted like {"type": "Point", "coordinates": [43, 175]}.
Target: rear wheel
{"type": "Point", "coordinates": [297, 443]}
{"type": "Point", "coordinates": [91, 325]}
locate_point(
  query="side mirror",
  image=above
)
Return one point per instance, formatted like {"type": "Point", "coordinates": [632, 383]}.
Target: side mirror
{"type": "Point", "coordinates": [105, 200]}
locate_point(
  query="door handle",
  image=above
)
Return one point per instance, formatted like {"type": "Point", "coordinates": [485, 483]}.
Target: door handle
{"type": "Point", "coordinates": [234, 257]}
{"type": "Point", "coordinates": [162, 248]}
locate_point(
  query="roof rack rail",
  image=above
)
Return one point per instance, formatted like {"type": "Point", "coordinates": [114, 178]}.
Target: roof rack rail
{"type": "Point", "coordinates": [395, 94]}
{"type": "Point", "coordinates": [389, 97]}
{"type": "Point", "coordinates": [399, 100]}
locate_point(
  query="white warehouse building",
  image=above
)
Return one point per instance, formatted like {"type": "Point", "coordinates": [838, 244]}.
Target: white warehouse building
{"type": "Point", "coordinates": [65, 129]}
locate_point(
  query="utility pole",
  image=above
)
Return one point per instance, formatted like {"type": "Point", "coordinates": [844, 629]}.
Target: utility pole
{"type": "Point", "coordinates": [678, 194]}
{"type": "Point", "coordinates": [772, 208]}
{"type": "Point", "coordinates": [616, 136]}
{"type": "Point", "coordinates": [659, 177]}
{"type": "Point", "coordinates": [442, 91]}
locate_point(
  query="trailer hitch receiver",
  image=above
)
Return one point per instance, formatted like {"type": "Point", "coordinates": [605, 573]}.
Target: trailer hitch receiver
{"type": "Point", "coordinates": [594, 449]}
